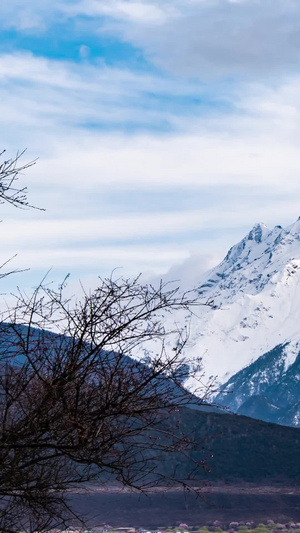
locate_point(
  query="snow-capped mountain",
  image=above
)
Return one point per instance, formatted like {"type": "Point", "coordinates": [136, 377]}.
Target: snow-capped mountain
{"type": "Point", "coordinates": [255, 306]}
{"type": "Point", "coordinates": [268, 389]}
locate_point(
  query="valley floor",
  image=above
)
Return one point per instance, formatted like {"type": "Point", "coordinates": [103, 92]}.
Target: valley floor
{"type": "Point", "coordinates": [168, 508]}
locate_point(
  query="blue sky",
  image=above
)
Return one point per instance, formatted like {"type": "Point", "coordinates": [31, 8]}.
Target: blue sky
{"type": "Point", "coordinates": [164, 130]}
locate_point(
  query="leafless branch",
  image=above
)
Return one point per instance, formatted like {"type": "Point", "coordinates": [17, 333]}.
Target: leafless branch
{"type": "Point", "coordinates": [10, 192]}
{"type": "Point", "coordinates": [78, 403]}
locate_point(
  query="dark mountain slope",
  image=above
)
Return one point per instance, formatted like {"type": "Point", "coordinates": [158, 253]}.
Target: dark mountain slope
{"type": "Point", "coordinates": [244, 449]}
{"type": "Point", "coordinates": [266, 389]}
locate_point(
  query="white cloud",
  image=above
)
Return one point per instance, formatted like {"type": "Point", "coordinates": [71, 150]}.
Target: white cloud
{"type": "Point", "coordinates": [37, 16]}
{"type": "Point", "coordinates": [43, 93]}
{"type": "Point", "coordinates": [94, 259]}
{"type": "Point", "coordinates": [120, 9]}
{"type": "Point", "coordinates": [31, 16]}
{"type": "Point", "coordinates": [62, 231]}
{"type": "Point", "coordinates": [99, 128]}
{"type": "Point", "coordinates": [188, 273]}
{"type": "Point", "coordinates": [221, 38]}
{"type": "Point", "coordinates": [49, 105]}
{"type": "Point", "coordinates": [199, 38]}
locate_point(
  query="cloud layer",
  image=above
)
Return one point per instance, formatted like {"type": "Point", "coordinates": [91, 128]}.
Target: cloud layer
{"type": "Point", "coordinates": [200, 38]}
{"type": "Point", "coordinates": [215, 38]}
{"type": "Point", "coordinates": [143, 162]}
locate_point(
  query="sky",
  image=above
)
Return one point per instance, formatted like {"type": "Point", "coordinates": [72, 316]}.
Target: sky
{"type": "Point", "coordinates": [164, 130]}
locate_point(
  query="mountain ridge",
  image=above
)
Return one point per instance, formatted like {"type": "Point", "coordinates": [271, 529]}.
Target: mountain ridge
{"type": "Point", "coordinates": [255, 292]}
{"type": "Point", "coordinates": [252, 320]}
{"type": "Point", "coordinates": [266, 389]}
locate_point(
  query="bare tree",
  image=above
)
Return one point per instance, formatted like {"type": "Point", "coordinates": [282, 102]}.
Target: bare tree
{"type": "Point", "coordinates": [13, 194]}
{"type": "Point", "coordinates": [76, 406]}
{"type": "Point", "coordinates": [81, 401]}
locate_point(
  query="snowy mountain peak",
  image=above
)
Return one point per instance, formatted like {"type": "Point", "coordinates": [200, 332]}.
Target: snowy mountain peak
{"type": "Point", "coordinates": [243, 249]}
{"type": "Point", "coordinates": [256, 296]}
{"type": "Point", "coordinates": [258, 233]}
{"type": "Point", "coordinates": [252, 263]}
{"type": "Point", "coordinates": [294, 229]}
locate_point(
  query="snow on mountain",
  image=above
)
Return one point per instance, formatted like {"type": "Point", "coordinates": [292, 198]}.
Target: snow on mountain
{"type": "Point", "coordinates": [255, 303]}
{"type": "Point", "coordinates": [267, 389]}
